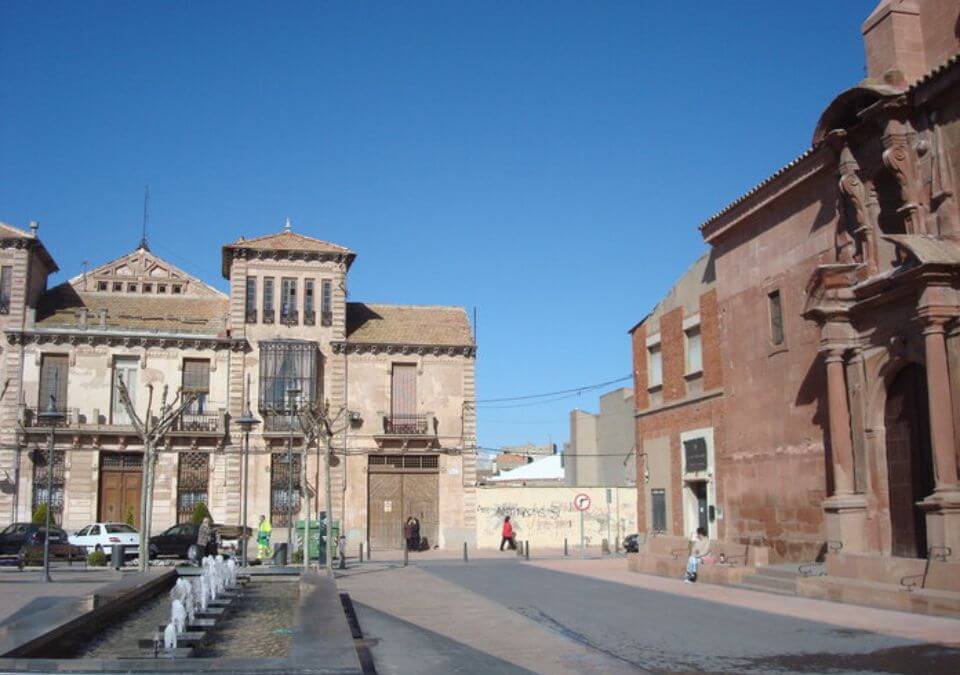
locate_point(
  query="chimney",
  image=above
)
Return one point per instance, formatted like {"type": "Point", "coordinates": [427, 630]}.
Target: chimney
{"type": "Point", "coordinates": [34, 226]}
{"type": "Point", "coordinates": [893, 39]}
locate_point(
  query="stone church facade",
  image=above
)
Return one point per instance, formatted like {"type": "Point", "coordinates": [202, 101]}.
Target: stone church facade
{"type": "Point", "coordinates": [398, 379]}
{"type": "Point", "coordinates": [837, 284]}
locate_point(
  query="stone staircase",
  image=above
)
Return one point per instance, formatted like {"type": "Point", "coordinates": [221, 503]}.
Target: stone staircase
{"type": "Point", "coordinates": [780, 579]}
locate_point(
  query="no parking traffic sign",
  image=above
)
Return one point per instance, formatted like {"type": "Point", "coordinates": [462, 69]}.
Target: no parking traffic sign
{"type": "Point", "coordinates": [581, 502]}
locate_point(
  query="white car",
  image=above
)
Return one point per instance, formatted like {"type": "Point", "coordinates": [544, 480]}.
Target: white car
{"type": "Point", "coordinates": [103, 536]}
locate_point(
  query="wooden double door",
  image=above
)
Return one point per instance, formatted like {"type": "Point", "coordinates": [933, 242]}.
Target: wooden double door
{"type": "Point", "coordinates": [400, 486]}
{"type": "Point", "coordinates": [119, 493]}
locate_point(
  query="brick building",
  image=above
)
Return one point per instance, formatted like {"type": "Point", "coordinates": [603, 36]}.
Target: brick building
{"type": "Point", "coordinates": [837, 285]}
{"type": "Point", "coordinates": [400, 378]}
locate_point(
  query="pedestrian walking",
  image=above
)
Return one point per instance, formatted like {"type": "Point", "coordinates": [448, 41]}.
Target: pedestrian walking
{"type": "Point", "coordinates": [507, 535]}
{"type": "Point", "coordinates": [205, 539]}
{"type": "Point", "coordinates": [263, 538]}
{"type": "Point", "coordinates": [411, 532]}
{"type": "Point", "coordinates": [699, 548]}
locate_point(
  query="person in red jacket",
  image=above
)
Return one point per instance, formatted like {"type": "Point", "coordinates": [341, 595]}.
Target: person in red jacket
{"type": "Point", "coordinates": [508, 535]}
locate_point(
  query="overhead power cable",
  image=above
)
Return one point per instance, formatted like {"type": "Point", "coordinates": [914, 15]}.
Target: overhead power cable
{"type": "Point", "coordinates": [575, 390]}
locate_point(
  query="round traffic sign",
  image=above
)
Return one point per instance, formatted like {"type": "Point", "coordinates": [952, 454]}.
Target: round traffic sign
{"type": "Point", "coordinates": [581, 502]}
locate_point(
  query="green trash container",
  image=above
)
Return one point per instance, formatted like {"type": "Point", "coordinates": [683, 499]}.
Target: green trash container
{"type": "Point", "coordinates": [318, 536]}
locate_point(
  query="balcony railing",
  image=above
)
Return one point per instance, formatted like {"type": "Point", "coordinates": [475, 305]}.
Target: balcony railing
{"type": "Point", "coordinates": [309, 318]}
{"type": "Point", "coordinates": [268, 316]}
{"type": "Point", "coordinates": [209, 422]}
{"type": "Point", "coordinates": [326, 318]}
{"type": "Point", "coordinates": [4, 306]}
{"type": "Point", "coordinates": [408, 425]}
{"type": "Point", "coordinates": [290, 317]}
{"type": "Point", "coordinates": [281, 422]}
{"type": "Point", "coordinates": [31, 418]}
{"type": "Point", "coordinates": [251, 315]}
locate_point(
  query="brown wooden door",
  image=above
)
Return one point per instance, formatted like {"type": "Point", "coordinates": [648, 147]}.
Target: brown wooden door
{"type": "Point", "coordinates": [385, 510]}
{"type": "Point", "coordinates": [909, 460]}
{"type": "Point", "coordinates": [421, 500]}
{"type": "Point", "coordinates": [119, 489]}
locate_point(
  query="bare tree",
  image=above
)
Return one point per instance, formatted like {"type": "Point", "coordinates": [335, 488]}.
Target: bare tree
{"type": "Point", "coordinates": [152, 432]}
{"type": "Point", "coordinates": [318, 426]}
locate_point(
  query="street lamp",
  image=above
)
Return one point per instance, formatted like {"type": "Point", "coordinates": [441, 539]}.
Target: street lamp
{"type": "Point", "coordinates": [50, 415]}
{"type": "Point", "coordinates": [292, 395]}
{"type": "Point", "coordinates": [247, 423]}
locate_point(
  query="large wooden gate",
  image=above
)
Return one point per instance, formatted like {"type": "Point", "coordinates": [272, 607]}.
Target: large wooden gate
{"type": "Point", "coordinates": [119, 487]}
{"type": "Point", "coordinates": [400, 486]}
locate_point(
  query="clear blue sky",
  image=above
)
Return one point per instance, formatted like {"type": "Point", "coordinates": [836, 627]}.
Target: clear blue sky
{"type": "Point", "coordinates": [546, 162]}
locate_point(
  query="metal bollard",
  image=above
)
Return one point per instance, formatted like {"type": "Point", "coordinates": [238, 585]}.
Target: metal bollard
{"type": "Point", "coordinates": [405, 554]}
{"type": "Point", "coordinates": [605, 546]}
{"type": "Point", "coordinates": [361, 551]}
{"type": "Point", "coordinates": [566, 551]}
{"type": "Point", "coordinates": [465, 559]}
{"type": "Point", "coordinates": [527, 549]}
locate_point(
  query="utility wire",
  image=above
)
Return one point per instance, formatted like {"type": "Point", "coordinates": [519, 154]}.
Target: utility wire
{"type": "Point", "coordinates": [575, 390]}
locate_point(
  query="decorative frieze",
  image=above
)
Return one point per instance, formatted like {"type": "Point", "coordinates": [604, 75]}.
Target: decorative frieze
{"type": "Point", "coordinates": [89, 339]}
{"type": "Point", "coordinates": [403, 349]}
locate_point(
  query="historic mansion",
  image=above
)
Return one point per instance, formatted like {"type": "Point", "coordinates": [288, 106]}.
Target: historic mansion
{"type": "Point", "coordinates": [398, 379]}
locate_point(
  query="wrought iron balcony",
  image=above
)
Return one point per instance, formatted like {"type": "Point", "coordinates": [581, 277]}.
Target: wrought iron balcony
{"type": "Point", "coordinates": [409, 425]}
{"type": "Point", "coordinates": [309, 318]}
{"type": "Point", "coordinates": [326, 318]}
{"type": "Point", "coordinates": [208, 422]}
{"type": "Point", "coordinates": [251, 315]}
{"type": "Point", "coordinates": [4, 306]}
{"type": "Point", "coordinates": [31, 418]}
{"type": "Point", "coordinates": [280, 422]}
{"type": "Point", "coordinates": [290, 317]}
{"type": "Point", "coordinates": [268, 316]}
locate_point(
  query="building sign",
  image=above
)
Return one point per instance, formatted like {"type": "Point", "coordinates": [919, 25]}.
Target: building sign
{"type": "Point", "coordinates": [695, 452]}
{"type": "Point", "coordinates": [387, 506]}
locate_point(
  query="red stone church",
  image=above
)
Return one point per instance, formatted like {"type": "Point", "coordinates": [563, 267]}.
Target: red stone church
{"type": "Point", "coordinates": [834, 419]}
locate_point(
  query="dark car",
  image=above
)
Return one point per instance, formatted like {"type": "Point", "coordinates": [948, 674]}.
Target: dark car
{"type": "Point", "coordinates": [631, 543]}
{"type": "Point", "coordinates": [25, 540]}
{"type": "Point", "coordinates": [177, 540]}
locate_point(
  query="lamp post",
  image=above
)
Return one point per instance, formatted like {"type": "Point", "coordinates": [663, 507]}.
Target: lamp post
{"type": "Point", "coordinates": [51, 416]}
{"type": "Point", "coordinates": [247, 422]}
{"type": "Point", "coordinates": [292, 395]}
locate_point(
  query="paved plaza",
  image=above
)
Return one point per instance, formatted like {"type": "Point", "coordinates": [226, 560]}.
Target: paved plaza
{"type": "Point", "coordinates": [567, 616]}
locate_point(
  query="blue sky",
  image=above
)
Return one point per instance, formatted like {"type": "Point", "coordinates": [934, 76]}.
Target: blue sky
{"type": "Point", "coordinates": [546, 162]}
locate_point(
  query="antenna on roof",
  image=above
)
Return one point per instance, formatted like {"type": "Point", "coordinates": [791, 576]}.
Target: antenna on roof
{"type": "Point", "coordinates": [288, 226]}
{"type": "Point", "coordinates": [146, 218]}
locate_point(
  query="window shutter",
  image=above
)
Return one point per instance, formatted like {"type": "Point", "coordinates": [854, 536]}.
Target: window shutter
{"type": "Point", "coordinates": [196, 375]}
{"type": "Point", "coordinates": [53, 381]}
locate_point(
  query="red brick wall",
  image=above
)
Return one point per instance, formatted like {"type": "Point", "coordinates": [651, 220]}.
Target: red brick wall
{"type": "Point", "coordinates": [640, 395]}
{"type": "Point", "coordinates": [710, 341]}
{"type": "Point", "coordinates": [672, 350]}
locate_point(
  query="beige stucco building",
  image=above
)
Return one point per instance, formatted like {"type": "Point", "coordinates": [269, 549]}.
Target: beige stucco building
{"type": "Point", "coordinates": [397, 379]}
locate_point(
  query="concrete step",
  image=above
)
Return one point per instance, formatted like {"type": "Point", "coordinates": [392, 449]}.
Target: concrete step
{"type": "Point", "coordinates": [770, 583]}
{"type": "Point", "coordinates": [763, 589]}
{"type": "Point", "coordinates": [777, 572]}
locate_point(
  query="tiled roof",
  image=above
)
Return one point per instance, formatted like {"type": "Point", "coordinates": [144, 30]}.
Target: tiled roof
{"type": "Point", "coordinates": [288, 241]}
{"type": "Point", "coordinates": [408, 324]}
{"type": "Point", "coordinates": [60, 308]}
{"type": "Point", "coordinates": [11, 232]}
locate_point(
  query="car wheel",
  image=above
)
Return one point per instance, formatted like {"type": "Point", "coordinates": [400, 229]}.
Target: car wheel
{"type": "Point", "coordinates": [153, 552]}
{"type": "Point", "coordinates": [21, 558]}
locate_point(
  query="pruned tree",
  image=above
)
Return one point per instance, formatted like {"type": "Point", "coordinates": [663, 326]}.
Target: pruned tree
{"type": "Point", "coordinates": [152, 432]}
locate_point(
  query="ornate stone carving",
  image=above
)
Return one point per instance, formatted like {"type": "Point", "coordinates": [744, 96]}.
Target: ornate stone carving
{"type": "Point", "coordinates": [900, 157]}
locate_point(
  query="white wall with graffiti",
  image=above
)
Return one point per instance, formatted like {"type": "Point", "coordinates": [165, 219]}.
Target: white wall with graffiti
{"type": "Point", "coordinates": [544, 516]}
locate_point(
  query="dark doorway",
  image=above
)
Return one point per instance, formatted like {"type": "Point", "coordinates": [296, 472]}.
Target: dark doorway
{"type": "Point", "coordinates": [909, 460]}
{"type": "Point", "coordinates": [699, 489]}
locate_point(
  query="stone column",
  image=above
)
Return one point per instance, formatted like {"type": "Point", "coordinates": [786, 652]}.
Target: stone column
{"type": "Point", "coordinates": [839, 411]}
{"type": "Point", "coordinates": [846, 511]}
{"type": "Point", "coordinates": [943, 506]}
{"type": "Point", "coordinates": [941, 405]}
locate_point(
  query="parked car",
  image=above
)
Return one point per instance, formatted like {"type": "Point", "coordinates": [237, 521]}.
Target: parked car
{"type": "Point", "coordinates": [177, 540]}
{"type": "Point", "coordinates": [104, 536]}
{"type": "Point", "coordinates": [631, 543]}
{"type": "Point", "coordinates": [25, 540]}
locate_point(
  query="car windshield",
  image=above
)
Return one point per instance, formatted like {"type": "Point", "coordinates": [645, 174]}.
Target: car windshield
{"type": "Point", "coordinates": [119, 528]}
{"type": "Point", "coordinates": [9, 529]}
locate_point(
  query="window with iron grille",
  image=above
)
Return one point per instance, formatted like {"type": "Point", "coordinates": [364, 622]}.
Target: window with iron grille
{"type": "Point", "coordinates": [120, 461]}
{"type": "Point", "coordinates": [326, 302]}
{"type": "Point", "coordinates": [268, 300]}
{"type": "Point", "coordinates": [289, 375]}
{"type": "Point", "coordinates": [40, 466]}
{"type": "Point", "coordinates": [193, 478]}
{"type": "Point", "coordinates": [251, 300]}
{"type": "Point", "coordinates": [405, 461]}
{"type": "Point", "coordinates": [658, 506]}
{"type": "Point", "coordinates": [288, 301]}
{"type": "Point", "coordinates": [284, 501]}
{"type": "Point", "coordinates": [6, 284]}
{"type": "Point", "coordinates": [309, 318]}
